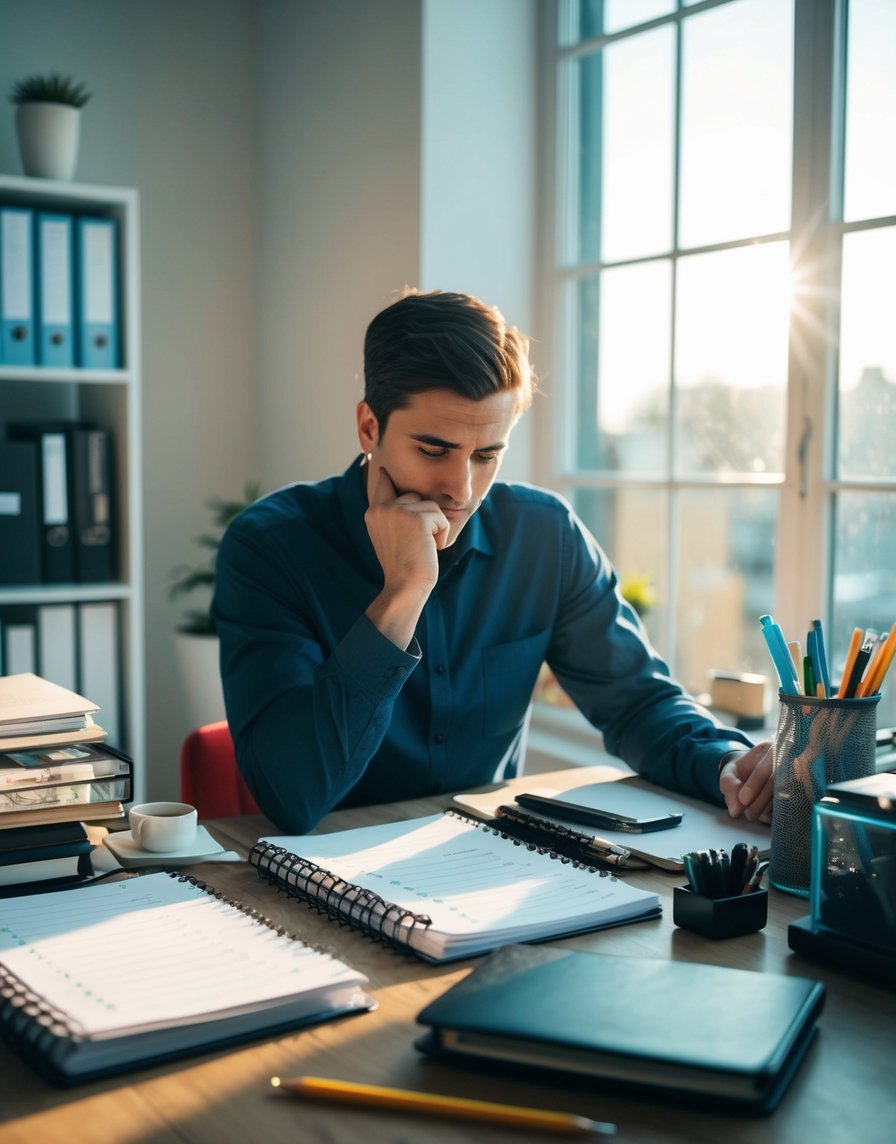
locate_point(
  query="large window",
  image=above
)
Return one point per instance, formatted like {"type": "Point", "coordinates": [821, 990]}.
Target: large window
{"type": "Point", "coordinates": [723, 377]}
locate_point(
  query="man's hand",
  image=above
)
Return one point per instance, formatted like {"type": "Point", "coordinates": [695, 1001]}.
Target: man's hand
{"type": "Point", "coordinates": [407, 533]}
{"type": "Point", "coordinates": [746, 782]}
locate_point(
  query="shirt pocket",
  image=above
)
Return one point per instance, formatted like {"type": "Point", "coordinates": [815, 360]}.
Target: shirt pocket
{"type": "Point", "coordinates": [509, 674]}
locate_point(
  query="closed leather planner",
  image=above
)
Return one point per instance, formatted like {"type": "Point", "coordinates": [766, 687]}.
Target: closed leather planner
{"type": "Point", "coordinates": [684, 1031]}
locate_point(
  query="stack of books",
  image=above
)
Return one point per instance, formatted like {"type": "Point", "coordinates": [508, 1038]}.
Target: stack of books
{"type": "Point", "coordinates": [56, 774]}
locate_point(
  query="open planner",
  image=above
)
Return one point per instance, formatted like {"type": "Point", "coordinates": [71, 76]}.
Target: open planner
{"type": "Point", "coordinates": [100, 979]}
{"type": "Point", "coordinates": [447, 886]}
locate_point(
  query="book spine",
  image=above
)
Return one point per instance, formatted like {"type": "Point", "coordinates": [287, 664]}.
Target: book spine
{"type": "Point", "coordinates": [342, 901]}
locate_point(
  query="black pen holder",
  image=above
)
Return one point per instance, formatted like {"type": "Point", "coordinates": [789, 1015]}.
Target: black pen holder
{"type": "Point", "coordinates": [720, 917]}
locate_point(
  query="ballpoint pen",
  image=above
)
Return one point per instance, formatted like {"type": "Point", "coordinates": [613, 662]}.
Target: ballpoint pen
{"type": "Point", "coordinates": [461, 1108]}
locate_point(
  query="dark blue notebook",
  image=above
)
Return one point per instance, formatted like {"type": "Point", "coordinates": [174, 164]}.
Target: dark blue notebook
{"type": "Point", "coordinates": [699, 1033]}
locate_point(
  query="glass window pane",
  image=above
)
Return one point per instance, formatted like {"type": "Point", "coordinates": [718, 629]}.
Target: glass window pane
{"type": "Point", "coordinates": [637, 138]}
{"type": "Point", "coordinates": [868, 356]}
{"type": "Point", "coordinates": [732, 316]}
{"type": "Point", "coordinates": [865, 579]}
{"type": "Point", "coordinates": [632, 527]}
{"type": "Point", "coordinates": [631, 425]}
{"type": "Point", "coordinates": [737, 94]}
{"type": "Point", "coordinates": [725, 555]}
{"type": "Point", "coordinates": [870, 174]}
{"type": "Point", "coordinates": [619, 14]}
{"type": "Point", "coordinates": [582, 19]}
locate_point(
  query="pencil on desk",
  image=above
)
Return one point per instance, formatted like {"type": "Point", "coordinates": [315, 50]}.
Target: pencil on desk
{"type": "Point", "coordinates": [484, 1111]}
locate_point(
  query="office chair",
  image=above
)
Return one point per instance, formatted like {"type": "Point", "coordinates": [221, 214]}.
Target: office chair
{"type": "Point", "coordinates": [209, 778]}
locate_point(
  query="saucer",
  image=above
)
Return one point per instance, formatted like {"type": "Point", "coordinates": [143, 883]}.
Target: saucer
{"type": "Point", "coordinates": [128, 853]}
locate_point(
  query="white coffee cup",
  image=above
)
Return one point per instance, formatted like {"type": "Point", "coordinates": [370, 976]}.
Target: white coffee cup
{"type": "Point", "coordinates": [163, 826]}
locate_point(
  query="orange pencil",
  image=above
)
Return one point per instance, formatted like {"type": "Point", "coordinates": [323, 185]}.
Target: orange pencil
{"type": "Point", "coordinates": [877, 669]}
{"type": "Point", "coordinates": [854, 644]}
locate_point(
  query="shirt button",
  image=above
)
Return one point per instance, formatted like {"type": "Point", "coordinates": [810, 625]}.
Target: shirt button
{"type": "Point", "coordinates": [440, 669]}
{"type": "Point", "coordinates": [440, 739]}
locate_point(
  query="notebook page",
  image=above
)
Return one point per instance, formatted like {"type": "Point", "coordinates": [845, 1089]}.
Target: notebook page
{"type": "Point", "coordinates": [153, 951]}
{"type": "Point", "coordinates": [468, 880]}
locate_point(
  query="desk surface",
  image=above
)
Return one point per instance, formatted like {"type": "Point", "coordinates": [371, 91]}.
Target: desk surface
{"type": "Point", "coordinates": [843, 1091]}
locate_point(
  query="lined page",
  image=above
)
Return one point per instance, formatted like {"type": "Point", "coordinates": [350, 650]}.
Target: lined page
{"type": "Point", "coordinates": [467, 879]}
{"type": "Point", "coordinates": [153, 951]}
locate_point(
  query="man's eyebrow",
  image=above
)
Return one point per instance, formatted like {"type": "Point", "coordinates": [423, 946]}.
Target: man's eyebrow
{"type": "Point", "coordinates": [440, 443]}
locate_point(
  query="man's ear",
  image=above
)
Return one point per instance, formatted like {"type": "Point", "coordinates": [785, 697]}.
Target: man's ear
{"type": "Point", "coordinates": [368, 427]}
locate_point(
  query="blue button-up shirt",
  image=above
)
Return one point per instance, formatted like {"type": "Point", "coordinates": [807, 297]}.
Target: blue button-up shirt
{"type": "Point", "coordinates": [325, 711]}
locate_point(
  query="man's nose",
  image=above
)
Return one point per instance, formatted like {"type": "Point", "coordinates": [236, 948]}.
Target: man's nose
{"type": "Point", "coordinates": [458, 484]}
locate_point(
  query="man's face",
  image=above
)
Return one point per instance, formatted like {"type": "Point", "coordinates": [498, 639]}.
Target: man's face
{"type": "Point", "coordinates": [444, 447]}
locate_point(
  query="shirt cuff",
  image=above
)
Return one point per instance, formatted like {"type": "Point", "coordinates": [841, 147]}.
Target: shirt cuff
{"type": "Point", "coordinates": [373, 662]}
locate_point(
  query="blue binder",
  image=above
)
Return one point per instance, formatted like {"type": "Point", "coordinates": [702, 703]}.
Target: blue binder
{"type": "Point", "coordinates": [96, 293]}
{"type": "Point", "coordinates": [17, 286]}
{"type": "Point", "coordinates": [55, 316]}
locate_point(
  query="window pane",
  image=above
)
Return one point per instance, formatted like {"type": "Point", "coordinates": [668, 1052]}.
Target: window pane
{"type": "Point", "coordinates": [638, 133]}
{"type": "Point", "coordinates": [868, 356]}
{"type": "Point", "coordinates": [631, 425]}
{"type": "Point", "coordinates": [737, 93]}
{"type": "Point", "coordinates": [631, 525]}
{"type": "Point", "coordinates": [725, 559]}
{"type": "Point", "coordinates": [582, 19]}
{"type": "Point", "coordinates": [732, 314]}
{"type": "Point", "coordinates": [870, 175]}
{"type": "Point", "coordinates": [865, 579]}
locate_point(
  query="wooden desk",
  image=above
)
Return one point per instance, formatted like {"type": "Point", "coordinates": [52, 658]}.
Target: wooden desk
{"type": "Point", "coordinates": [843, 1092]}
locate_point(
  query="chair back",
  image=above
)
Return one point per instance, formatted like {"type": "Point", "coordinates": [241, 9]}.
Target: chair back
{"type": "Point", "coordinates": [209, 777]}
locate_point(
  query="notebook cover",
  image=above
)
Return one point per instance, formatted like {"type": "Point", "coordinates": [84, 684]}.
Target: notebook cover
{"type": "Point", "coordinates": [689, 1031]}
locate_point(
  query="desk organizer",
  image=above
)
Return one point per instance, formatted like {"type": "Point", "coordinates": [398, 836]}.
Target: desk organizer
{"type": "Point", "coordinates": [720, 917]}
{"type": "Point", "coordinates": [852, 893]}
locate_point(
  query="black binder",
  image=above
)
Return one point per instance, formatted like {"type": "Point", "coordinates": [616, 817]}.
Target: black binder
{"type": "Point", "coordinates": [19, 528]}
{"type": "Point", "coordinates": [54, 513]}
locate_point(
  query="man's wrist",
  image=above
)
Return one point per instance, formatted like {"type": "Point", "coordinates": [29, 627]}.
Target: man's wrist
{"type": "Point", "coordinates": [729, 757]}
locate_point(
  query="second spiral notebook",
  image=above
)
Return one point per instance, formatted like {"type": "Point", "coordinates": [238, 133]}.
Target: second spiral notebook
{"type": "Point", "coordinates": [446, 886]}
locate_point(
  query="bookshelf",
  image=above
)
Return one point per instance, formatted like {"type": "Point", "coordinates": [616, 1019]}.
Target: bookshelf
{"type": "Point", "coordinates": [111, 398]}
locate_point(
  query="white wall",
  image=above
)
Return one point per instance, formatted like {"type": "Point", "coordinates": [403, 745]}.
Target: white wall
{"type": "Point", "coordinates": [478, 210]}
{"type": "Point", "coordinates": [298, 162]}
{"type": "Point", "coordinates": [172, 114]}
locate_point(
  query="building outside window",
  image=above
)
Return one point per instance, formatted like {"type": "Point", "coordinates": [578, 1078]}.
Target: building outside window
{"type": "Point", "coordinates": [722, 383]}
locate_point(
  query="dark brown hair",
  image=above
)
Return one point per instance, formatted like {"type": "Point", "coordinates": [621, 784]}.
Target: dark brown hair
{"type": "Point", "coordinates": [441, 340]}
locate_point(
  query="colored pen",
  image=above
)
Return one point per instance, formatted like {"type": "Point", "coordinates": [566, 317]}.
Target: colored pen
{"type": "Point", "coordinates": [822, 658]}
{"type": "Point", "coordinates": [778, 650]}
{"type": "Point", "coordinates": [460, 1108]}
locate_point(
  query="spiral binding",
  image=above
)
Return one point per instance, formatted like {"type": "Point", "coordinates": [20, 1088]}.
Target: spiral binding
{"type": "Point", "coordinates": [344, 902]}
{"type": "Point", "coordinates": [368, 913]}
{"type": "Point", "coordinates": [43, 1036]}
{"type": "Point", "coordinates": [569, 844]}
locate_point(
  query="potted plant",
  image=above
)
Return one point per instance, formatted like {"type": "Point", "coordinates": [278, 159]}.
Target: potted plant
{"type": "Point", "coordinates": [196, 644]}
{"type": "Point", "coordinates": [48, 123]}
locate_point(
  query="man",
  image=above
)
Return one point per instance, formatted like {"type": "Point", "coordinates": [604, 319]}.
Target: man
{"type": "Point", "coordinates": [381, 631]}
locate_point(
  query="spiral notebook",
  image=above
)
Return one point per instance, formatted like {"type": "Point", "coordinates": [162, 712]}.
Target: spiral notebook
{"type": "Point", "coordinates": [447, 886]}
{"type": "Point", "coordinates": [100, 979]}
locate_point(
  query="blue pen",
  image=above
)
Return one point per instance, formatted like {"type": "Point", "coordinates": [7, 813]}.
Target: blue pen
{"type": "Point", "coordinates": [812, 649]}
{"type": "Point", "coordinates": [822, 657]}
{"type": "Point", "coordinates": [780, 654]}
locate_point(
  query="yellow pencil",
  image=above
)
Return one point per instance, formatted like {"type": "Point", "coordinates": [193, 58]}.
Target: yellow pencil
{"type": "Point", "coordinates": [877, 669]}
{"type": "Point", "coordinates": [484, 1111]}
{"type": "Point", "coordinates": [854, 644]}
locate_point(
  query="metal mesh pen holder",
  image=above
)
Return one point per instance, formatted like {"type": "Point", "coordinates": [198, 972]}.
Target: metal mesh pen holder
{"type": "Point", "coordinates": [818, 742]}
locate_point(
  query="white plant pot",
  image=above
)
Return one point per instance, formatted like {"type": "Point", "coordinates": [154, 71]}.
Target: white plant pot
{"type": "Point", "coordinates": [48, 139]}
{"type": "Point", "coordinates": [197, 659]}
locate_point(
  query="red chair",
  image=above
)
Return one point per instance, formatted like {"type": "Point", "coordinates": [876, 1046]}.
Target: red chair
{"type": "Point", "coordinates": [209, 778]}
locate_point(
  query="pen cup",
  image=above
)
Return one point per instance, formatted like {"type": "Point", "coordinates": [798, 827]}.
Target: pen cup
{"type": "Point", "coordinates": [818, 742]}
{"type": "Point", "coordinates": [720, 917]}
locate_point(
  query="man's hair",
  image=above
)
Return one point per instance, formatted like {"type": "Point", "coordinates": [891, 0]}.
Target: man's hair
{"type": "Point", "coordinates": [441, 340]}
